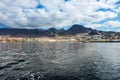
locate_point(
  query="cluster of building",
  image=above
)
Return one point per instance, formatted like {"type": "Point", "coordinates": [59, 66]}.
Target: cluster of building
{"type": "Point", "coordinates": [84, 37]}
{"type": "Point", "coordinates": [98, 37]}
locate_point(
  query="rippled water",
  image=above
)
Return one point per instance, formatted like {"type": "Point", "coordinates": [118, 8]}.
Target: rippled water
{"type": "Point", "coordinates": [59, 61]}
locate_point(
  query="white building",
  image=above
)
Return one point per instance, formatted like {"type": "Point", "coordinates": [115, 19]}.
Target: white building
{"type": "Point", "coordinates": [97, 37]}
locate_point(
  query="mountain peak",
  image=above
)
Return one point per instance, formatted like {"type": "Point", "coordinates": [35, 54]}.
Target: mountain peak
{"type": "Point", "coordinates": [75, 29]}
{"type": "Point", "coordinates": [78, 29]}
{"type": "Point", "coordinates": [76, 26]}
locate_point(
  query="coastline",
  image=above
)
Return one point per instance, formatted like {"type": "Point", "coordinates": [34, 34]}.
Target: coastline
{"type": "Point", "coordinates": [52, 40]}
{"type": "Point", "coordinates": [56, 39]}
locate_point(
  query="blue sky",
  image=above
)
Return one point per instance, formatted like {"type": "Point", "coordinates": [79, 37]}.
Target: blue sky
{"type": "Point", "coordinates": [96, 14]}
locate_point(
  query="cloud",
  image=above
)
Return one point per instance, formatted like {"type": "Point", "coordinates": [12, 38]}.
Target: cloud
{"type": "Point", "coordinates": [108, 25]}
{"type": "Point", "coordinates": [94, 26]}
{"type": "Point", "coordinates": [99, 16]}
{"type": "Point", "coordinates": [55, 13]}
{"type": "Point", "coordinates": [112, 24]}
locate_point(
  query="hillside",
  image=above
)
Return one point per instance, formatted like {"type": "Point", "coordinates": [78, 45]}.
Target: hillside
{"type": "Point", "coordinates": [75, 29]}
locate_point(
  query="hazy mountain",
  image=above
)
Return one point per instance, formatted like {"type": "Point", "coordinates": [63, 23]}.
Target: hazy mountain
{"type": "Point", "coordinates": [23, 32]}
{"type": "Point", "coordinates": [75, 29]}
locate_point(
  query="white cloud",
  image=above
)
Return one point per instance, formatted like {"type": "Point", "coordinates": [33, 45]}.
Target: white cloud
{"type": "Point", "coordinates": [107, 25]}
{"type": "Point", "coordinates": [56, 13]}
{"type": "Point", "coordinates": [94, 26]}
{"type": "Point", "coordinates": [99, 16]}
{"type": "Point", "coordinates": [112, 24]}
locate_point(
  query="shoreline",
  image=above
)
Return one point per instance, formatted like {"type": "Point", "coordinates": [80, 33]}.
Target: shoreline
{"type": "Point", "coordinates": [66, 41]}
{"type": "Point", "coordinates": [56, 39]}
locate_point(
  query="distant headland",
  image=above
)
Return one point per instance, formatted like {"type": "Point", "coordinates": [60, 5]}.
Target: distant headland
{"type": "Point", "coordinates": [75, 33]}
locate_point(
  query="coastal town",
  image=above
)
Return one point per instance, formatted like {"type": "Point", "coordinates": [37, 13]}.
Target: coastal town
{"type": "Point", "coordinates": [84, 37]}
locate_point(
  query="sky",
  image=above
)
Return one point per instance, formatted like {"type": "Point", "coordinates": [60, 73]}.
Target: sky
{"type": "Point", "coordinates": [32, 14]}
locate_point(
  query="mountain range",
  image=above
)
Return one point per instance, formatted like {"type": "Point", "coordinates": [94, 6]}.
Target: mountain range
{"type": "Point", "coordinates": [51, 32]}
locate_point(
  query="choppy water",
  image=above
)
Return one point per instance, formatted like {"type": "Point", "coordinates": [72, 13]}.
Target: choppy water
{"type": "Point", "coordinates": [59, 61]}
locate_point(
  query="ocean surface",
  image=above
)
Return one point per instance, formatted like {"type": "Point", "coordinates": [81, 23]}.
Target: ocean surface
{"type": "Point", "coordinates": [59, 61]}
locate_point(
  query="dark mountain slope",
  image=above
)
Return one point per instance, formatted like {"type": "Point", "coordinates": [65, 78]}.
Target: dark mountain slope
{"type": "Point", "coordinates": [75, 29]}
